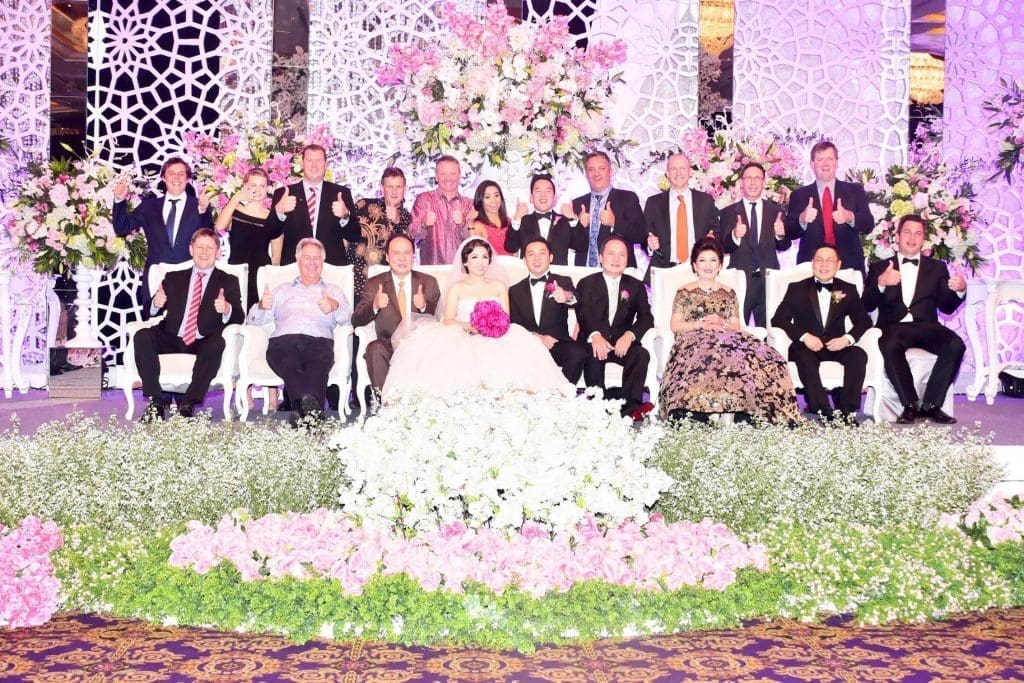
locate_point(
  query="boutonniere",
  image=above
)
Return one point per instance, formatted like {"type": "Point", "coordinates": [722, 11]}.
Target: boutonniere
{"type": "Point", "coordinates": [838, 295]}
{"type": "Point", "coordinates": [550, 286]}
{"type": "Point", "coordinates": [624, 295]}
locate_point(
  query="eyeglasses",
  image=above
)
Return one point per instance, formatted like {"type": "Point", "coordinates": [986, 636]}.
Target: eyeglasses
{"type": "Point", "coordinates": [825, 260]}
{"type": "Point", "coordinates": [752, 177]}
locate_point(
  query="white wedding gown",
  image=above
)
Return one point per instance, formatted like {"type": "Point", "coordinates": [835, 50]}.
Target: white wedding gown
{"type": "Point", "coordinates": [440, 360]}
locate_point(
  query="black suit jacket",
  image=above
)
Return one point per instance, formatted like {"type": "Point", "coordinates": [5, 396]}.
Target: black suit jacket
{"type": "Point", "coordinates": [148, 216]}
{"type": "Point", "coordinates": [932, 293]}
{"type": "Point", "coordinates": [633, 313]}
{"type": "Point", "coordinates": [561, 236]}
{"type": "Point", "coordinates": [799, 312]}
{"type": "Point", "coordinates": [658, 212]}
{"type": "Point", "coordinates": [742, 254]}
{"type": "Point", "coordinates": [554, 317]}
{"type": "Point", "coordinates": [210, 322]}
{"type": "Point", "coordinates": [329, 229]}
{"type": "Point", "coordinates": [387, 319]}
{"type": "Point", "coordinates": [851, 253]}
{"type": "Point", "coordinates": [629, 222]}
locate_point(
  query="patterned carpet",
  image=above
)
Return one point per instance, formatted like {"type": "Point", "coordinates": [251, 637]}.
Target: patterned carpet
{"type": "Point", "coordinates": [976, 647]}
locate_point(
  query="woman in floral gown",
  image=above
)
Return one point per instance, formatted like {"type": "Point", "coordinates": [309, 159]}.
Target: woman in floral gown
{"type": "Point", "coordinates": [714, 367]}
{"type": "Point", "coordinates": [379, 218]}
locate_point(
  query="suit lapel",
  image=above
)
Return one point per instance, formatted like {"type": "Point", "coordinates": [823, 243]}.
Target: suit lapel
{"type": "Point", "coordinates": [815, 306]}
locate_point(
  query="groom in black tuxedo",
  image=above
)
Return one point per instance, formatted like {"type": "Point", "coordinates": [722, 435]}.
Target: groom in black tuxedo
{"type": "Point", "coordinates": [559, 230]}
{"type": "Point", "coordinates": [814, 313]}
{"type": "Point", "coordinates": [541, 303]}
{"type": "Point", "coordinates": [614, 315]}
{"type": "Point", "coordinates": [907, 290]}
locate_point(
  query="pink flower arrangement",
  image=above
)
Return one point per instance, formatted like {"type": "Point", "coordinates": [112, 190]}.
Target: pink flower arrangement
{"type": "Point", "coordinates": [489, 318]}
{"type": "Point", "coordinates": [28, 588]}
{"type": "Point", "coordinates": [1007, 111]}
{"type": "Point", "coordinates": [655, 556]}
{"type": "Point", "coordinates": [991, 521]}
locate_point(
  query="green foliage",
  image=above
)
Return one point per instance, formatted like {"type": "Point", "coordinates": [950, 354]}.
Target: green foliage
{"type": "Point", "coordinates": [1007, 559]}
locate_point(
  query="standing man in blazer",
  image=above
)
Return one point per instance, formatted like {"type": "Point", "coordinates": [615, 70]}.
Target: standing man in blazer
{"type": "Point", "coordinates": [313, 201]}
{"type": "Point", "coordinates": [908, 290]}
{"type": "Point", "coordinates": [814, 313]}
{"type": "Point", "coordinates": [389, 301]}
{"type": "Point", "coordinates": [676, 218]}
{"type": "Point", "coordinates": [751, 231]}
{"type": "Point", "coordinates": [168, 221]}
{"type": "Point", "coordinates": [199, 302]}
{"type": "Point", "coordinates": [829, 210]}
{"type": "Point", "coordinates": [606, 211]}
{"type": "Point", "coordinates": [541, 304]}
{"type": "Point", "coordinates": [614, 315]}
{"type": "Point", "coordinates": [559, 231]}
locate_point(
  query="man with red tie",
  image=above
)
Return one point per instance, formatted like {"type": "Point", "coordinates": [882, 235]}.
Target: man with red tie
{"type": "Point", "coordinates": [199, 302]}
{"type": "Point", "coordinates": [829, 211]}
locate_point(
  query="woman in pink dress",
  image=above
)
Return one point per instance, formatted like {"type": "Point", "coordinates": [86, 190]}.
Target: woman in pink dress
{"type": "Point", "coordinates": [492, 222]}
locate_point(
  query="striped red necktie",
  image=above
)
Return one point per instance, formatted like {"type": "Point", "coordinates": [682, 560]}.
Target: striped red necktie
{"type": "Point", "coordinates": [192, 317]}
{"type": "Point", "coordinates": [826, 216]}
{"type": "Point", "coordinates": [311, 202]}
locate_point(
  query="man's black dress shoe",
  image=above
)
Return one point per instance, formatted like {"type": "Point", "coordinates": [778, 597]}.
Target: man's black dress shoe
{"type": "Point", "coordinates": [935, 414]}
{"type": "Point", "coordinates": [186, 409]}
{"type": "Point", "coordinates": [155, 410]}
{"type": "Point", "coordinates": [908, 416]}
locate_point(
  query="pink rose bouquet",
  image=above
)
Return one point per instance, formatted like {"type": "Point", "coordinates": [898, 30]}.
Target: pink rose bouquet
{"type": "Point", "coordinates": [29, 591]}
{"type": "Point", "coordinates": [489, 318]}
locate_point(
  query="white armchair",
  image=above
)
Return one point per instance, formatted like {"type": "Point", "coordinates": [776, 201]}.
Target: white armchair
{"type": "Point", "coordinates": [176, 368]}
{"type": "Point", "coordinates": [252, 362]}
{"type": "Point", "coordinates": [776, 283]}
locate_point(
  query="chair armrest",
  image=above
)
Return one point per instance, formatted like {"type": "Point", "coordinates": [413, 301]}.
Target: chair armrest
{"type": "Point", "coordinates": [136, 325]}
{"type": "Point", "coordinates": [365, 334]}
{"type": "Point", "coordinates": [757, 332]}
{"type": "Point", "coordinates": [779, 340]}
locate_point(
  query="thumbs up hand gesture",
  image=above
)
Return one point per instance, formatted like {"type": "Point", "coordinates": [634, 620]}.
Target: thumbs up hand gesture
{"type": "Point", "coordinates": [810, 213]}
{"type": "Point", "coordinates": [339, 208]}
{"type": "Point", "coordinates": [419, 300]}
{"type": "Point", "coordinates": [521, 210]}
{"type": "Point", "coordinates": [120, 191]}
{"type": "Point", "coordinates": [779, 226]}
{"type": "Point", "coordinates": [381, 299]}
{"type": "Point", "coordinates": [584, 216]}
{"type": "Point", "coordinates": [607, 216]}
{"type": "Point", "coordinates": [740, 230]}
{"type": "Point", "coordinates": [653, 243]}
{"type": "Point", "coordinates": [327, 304]}
{"type": "Point", "coordinates": [840, 215]}
{"type": "Point", "coordinates": [160, 298]}
{"type": "Point", "coordinates": [566, 210]}
{"type": "Point", "coordinates": [203, 201]}
{"type": "Point", "coordinates": [220, 304]}
{"type": "Point", "coordinates": [890, 276]}
{"type": "Point", "coordinates": [267, 300]}
{"type": "Point", "coordinates": [286, 204]}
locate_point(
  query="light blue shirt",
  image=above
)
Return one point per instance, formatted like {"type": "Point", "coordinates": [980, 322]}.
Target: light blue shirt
{"type": "Point", "coordinates": [296, 310]}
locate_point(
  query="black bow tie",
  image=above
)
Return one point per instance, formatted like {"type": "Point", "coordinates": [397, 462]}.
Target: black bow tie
{"type": "Point", "coordinates": [550, 215]}
{"type": "Point", "coordinates": [535, 280]}
{"type": "Point", "coordinates": [915, 261]}
{"type": "Point", "coordinates": [825, 285]}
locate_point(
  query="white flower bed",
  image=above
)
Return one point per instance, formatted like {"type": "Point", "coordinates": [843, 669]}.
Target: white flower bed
{"type": "Point", "coordinates": [498, 460]}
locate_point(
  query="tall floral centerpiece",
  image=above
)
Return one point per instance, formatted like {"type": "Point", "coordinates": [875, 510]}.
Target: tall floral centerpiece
{"type": "Point", "coordinates": [1008, 113]}
{"type": "Point", "coordinates": [223, 158]}
{"type": "Point", "coordinates": [938, 192]}
{"type": "Point", "coordinates": [495, 92]}
{"type": "Point", "coordinates": [718, 158]}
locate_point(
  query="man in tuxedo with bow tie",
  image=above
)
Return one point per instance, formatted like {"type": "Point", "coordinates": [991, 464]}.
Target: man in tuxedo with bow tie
{"type": "Point", "coordinates": [199, 302]}
{"type": "Point", "coordinates": [908, 290]}
{"type": "Point", "coordinates": [614, 315]}
{"type": "Point", "coordinates": [391, 300]}
{"type": "Point", "coordinates": [829, 210]}
{"type": "Point", "coordinates": [168, 221]}
{"type": "Point", "coordinates": [814, 313]}
{"type": "Point", "coordinates": [751, 231]}
{"type": "Point", "coordinates": [676, 218]}
{"type": "Point", "coordinates": [313, 207]}
{"type": "Point", "coordinates": [606, 211]}
{"type": "Point", "coordinates": [558, 230]}
{"type": "Point", "coordinates": [541, 304]}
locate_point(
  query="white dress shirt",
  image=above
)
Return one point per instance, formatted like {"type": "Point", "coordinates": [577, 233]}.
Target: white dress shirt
{"type": "Point", "coordinates": [179, 210]}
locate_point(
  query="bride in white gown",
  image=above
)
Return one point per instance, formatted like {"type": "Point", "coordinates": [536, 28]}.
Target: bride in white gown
{"type": "Point", "coordinates": [439, 359]}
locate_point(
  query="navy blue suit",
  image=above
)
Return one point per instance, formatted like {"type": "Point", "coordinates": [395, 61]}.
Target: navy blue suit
{"type": "Point", "coordinates": [851, 252]}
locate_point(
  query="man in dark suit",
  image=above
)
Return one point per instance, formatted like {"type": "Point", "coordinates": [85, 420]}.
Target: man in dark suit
{"type": "Point", "coordinates": [560, 231]}
{"type": "Point", "coordinates": [313, 201]}
{"type": "Point", "coordinates": [751, 231]}
{"type": "Point", "coordinates": [199, 303]}
{"type": "Point", "coordinates": [606, 211]}
{"type": "Point", "coordinates": [614, 315]}
{"type": "Point", "coordinates": [814, 313]}
{"type": "Point", "coordinates": [907, 290]}
{"type": "Point", "coordinates": [168, 221]}
{"type": "Point", "coordinates": [676, 218]}
{"type": "Point", "coordinates": [829, 210]}
{"type": "Point", "coordinates": [390, 300]}
{"type": "Point", "coordinates": [541, 303]}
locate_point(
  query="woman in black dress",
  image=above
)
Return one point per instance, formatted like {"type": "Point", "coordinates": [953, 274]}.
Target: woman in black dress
{"type": "Point", "coordinates": [245, 220]}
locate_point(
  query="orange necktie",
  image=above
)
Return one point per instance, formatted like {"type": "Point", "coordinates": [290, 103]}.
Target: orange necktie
{"type": "Point", "coordinates": [682, 232]}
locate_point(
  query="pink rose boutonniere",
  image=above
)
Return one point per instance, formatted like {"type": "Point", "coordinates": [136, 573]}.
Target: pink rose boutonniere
{"type": "Point", "coordinates": [551, 286]}
{"type": "Point", "coordinates": [489, 318]}
{"type": "Point", "coordinates": [624, 295]}
{"type": "Point", "coordinates": [838, 295]}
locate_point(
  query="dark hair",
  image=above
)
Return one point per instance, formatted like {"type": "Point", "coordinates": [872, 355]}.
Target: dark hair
{"type": "Point", "coordinates": [706, 243]}
{"type": "Point", "coordinates": [392, 172]}
{"type": "Point", "coordinates": [398, 236]}
{"type": "Point", "coordinates": [176, 160]}
{"type": "Point", "coordinates": [539, 177]}
{"type": "Point", "coordinates": [823, 145]}
{"type": "Point", "coordinates": [204, 232]}
{"type": "Point", "coordinates": [478, 204]}
{"type": "Point", "coordinates": [614, 238]}
{"type": "Point", "coordinates": [313, 148]}
{"type": "Point", "coordinates": [910, 217]}
{"type": "Point", "coordinates": [597, 153]}
{"type": "Point", "coordinates": [472, 244]}
{"type": "Point", "coordinates": [537, 240]}
{"type": "Point", "coordinates": [826, 245]}
{"type": "Point", "coordinates": [753, 164]}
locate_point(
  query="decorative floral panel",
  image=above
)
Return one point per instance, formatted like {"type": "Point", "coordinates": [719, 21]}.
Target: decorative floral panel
{"type": "Point", "coordinates": [25, 76]}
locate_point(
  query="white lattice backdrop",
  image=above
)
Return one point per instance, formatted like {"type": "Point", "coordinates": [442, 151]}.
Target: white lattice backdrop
{"type": "Point", "coordinates": [984, 43]}
{"type": "Point", "coordinates": [247, 49]}
{"type": "Point", "coordinates": [25, 76]}
{"type": "Point", "coordinates": [836, 68]}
